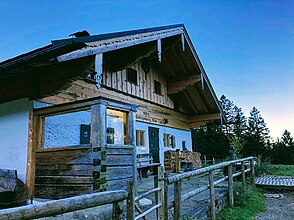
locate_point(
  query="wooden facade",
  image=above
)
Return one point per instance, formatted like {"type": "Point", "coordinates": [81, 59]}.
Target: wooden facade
{"type": "Point", "coordinates": [152, 75]}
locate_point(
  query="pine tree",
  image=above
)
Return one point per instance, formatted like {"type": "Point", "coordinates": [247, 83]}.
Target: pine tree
{"type": "Point", "coordinates": [257, 134]}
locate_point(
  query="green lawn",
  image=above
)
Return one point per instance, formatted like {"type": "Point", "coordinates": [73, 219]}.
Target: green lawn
{"type": "Point", "coordinates": [277, 170]}
{"type": "Point", "coordinates": [283, 170]}
{"type": "Point", "coordinates": [248, 202]}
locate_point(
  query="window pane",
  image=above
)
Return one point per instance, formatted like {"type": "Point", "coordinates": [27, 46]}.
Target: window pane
{"type": "Point", "coordinates": [116, 131]}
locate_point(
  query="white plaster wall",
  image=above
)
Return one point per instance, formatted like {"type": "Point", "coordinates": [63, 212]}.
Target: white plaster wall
{"type": "Point", "coordinates": [14, 122]}
{"type": "Point", "coordinates": [64, 130]}
{"type": "Point", "coordinates": [180, 135]}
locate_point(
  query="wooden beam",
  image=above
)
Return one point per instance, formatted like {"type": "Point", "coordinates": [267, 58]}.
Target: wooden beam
{"type": "Point", "coordinates": [199, 120]}
{"type": "Point", "coordinates": [118, 43]}
{"type": "Point", "coordinates": [52, 208]}
{"type": "Point", "coordinates": [177, 85]}
{"type": "Point", "coordinates": [98, 69]}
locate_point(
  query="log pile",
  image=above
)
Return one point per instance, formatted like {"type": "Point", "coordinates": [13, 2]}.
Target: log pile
{"type": "Point", "coordinates": [13, 191]}
{"type": "Point", "coordinates": [170, 159]}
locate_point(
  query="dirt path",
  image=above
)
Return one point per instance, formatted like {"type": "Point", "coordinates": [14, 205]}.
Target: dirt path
{"type": "Point", "coordinates": [279, 208]}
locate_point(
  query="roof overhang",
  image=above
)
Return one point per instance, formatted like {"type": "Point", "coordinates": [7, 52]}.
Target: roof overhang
{"type": "Point", "coordinates": [188, 79]}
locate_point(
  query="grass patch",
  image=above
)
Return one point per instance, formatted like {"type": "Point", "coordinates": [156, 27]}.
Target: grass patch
{"type": "Point", "coordinates": [248, 202]}
{"type": "Point", "coordinates": [283, 170]}
{"type": "Point", "coordinates": [205, 165]}
{"type": "Point", "coordinates": [277, 170]}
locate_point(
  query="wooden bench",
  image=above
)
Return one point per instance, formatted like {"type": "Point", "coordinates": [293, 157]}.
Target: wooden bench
{"type": "Point", "coordinates": [144, 163]}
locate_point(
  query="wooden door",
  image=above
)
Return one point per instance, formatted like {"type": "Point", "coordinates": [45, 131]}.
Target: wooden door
{"type": "Point", "coordinates": [154, 143]}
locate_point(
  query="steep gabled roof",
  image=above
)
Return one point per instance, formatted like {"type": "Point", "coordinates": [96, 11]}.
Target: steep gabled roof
{"type": "Point", "coordinates": [72, 49]}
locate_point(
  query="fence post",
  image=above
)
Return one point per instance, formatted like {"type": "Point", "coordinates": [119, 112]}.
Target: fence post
{"type": "Point", "coordinates": [205, 161]}
{"type": "Point", "coordinates": [211, 193]}
{"type": "Point", "coordinates": [230, 186]}
{"type": "Point", "coordinates": [243, 173]}
{"type": "Point", "coordinates": [213, 160]}
{"type": "Point", "coordinates": [258, 161]}
{"type": "Point", "coordinates": [161, 200]}
{"type": "Point", "coordinates": [131, 201]}
{"type": "Point", "coordinates": [157, 199]}
{"type": "Point", "coordinates": [178, 161]}
{"type": "Point", "coordinates": [165, 197]}
{"type": "Point", "coordinates": [177, 200]}
{"type": "Point", "coordinates": [115, 211]}
{"type": "Point", "coordinates": [252, 169]}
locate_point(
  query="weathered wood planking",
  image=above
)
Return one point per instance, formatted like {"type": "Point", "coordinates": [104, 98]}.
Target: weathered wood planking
{"type": "Point", "coordinates": [58, 191]}
{"type": "Point", "coordinates": [63, 172]}
{"type": "Point", "coordinates": [70, 156]}
{"type": "Point", "coordinates": [122, 172]}
{"type": "Point", "coordinates": [147, 112]}
{"type": "Point", "coordinates": [64, 180]}
{"type": "Point", "coordinates": [118, 184]}
{"type": "Point", "coordinates": [145, 86]}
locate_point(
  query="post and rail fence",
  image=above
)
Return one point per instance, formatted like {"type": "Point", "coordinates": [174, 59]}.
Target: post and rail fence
{"type": "Point", "coordinates": [162, 205]}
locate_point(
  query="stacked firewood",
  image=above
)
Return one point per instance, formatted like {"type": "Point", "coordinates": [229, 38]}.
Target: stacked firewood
{"type": "Point", "coordinates": [170, 159]}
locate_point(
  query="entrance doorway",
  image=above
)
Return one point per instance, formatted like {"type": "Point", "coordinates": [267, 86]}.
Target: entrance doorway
{"type": "Point", "coordinates": [154, 143]}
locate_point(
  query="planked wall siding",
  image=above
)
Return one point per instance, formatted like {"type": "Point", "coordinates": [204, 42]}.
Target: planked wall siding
{"type": "Point", "coordinates": [63, 172]}
{"type": "Point", "coordinates": [145, 88]}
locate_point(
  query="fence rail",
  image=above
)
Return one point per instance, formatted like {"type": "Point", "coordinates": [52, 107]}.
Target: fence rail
{"type": "Point", "coordinates": [177, 181]}
{"type": "Point", "coordinates": [161, 182]}
{"type": "Point", "coordinates": [61, 206]}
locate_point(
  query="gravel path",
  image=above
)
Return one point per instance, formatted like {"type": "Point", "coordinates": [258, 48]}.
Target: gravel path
{"type": "Point", "coordinates": [279, 208]}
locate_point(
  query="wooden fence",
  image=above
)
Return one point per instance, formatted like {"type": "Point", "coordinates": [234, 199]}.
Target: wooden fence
{"type": "Point", "coordinates": [61, 206]}
{"type": "Point", "coordinates": [161, 182]}
{"type": "Point", "coordinates": [177, 181]}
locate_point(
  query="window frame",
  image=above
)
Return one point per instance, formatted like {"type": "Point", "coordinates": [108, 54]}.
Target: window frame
{"type": "Point", "coordinates": [140, 138]}
{"type": "Point", "coordinates": [132, 76]}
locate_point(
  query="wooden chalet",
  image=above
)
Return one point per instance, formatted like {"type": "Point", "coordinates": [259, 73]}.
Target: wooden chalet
{"type": "Point", "coordinates": [76, 115]}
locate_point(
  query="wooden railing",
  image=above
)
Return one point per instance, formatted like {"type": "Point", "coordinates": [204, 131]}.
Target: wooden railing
{"type": "Point", "coordinates": [57, 207]}
{"type": "Point", "coordinates": [159, 196]}
{"type": "Point", "coordinates": [177, 181]}
{"type": "Point", "coordinates": [161, 182]}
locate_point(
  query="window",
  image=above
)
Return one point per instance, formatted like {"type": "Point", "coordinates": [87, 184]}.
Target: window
{"type": "Point", "coordinates": [172, 141]}
{"type": "Point", "coordinates": [167, 140]}
{"type": "Point", "coordinates": [116, 131]}
{"type": "Point", "coordinates": [140, 141]}
{"type": "Point", "coordinates": [132, 76]}
{"type": "Point", "coordinates": [184, 148]}
{"type": "Point", "coordinates": [157, 87]}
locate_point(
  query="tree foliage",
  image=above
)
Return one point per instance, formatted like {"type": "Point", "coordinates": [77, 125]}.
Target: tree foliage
{"type": "Point", "coordinates": [248, 136]}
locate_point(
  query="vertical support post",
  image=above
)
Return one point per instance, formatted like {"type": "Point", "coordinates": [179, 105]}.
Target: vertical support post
{"type": "Point", "coordinates": [213, 160]}
{"type": "Point", "coordinates": [183, 41]}
{"type": "Point", "coordinates": [178, 200]}
{"type": "Point", "coordinates": [157, 199]}
{"type": "Point", "coordinates": [165, 197]}
{"type": "Point", "coordinates": [258, 161]}
{"type": "Point", "coordinates": [243, 173]}
{"type": "Point", "coordinates": [131, 202]}
{"type": "Point", "coordinates": [205, 161]}
{"type": "Point", "coordinates": [252, 169]}
{"type": "Point", "coordinates": [115, 211]}
{"type": "Point", "coordinates": [230, 186]}
{"type": "Point", "coordinates": [159, 49]}
{"type": "Point", "coordinates": [98, 137]}
{"type": "Point", "coordinates": [212, 198]}
{"type": "Point", "coordinates": [131, 141]}
{"type": "Point", "coordinates": [178, 161]}
{"type": "Point", "coordinates": [161, 199]}
{"type": "Point", "coordinates": [99, 69]}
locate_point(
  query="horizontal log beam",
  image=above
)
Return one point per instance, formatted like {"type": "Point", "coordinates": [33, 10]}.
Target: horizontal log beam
{"type": "Point", "coordinates": [61, 206]}
{"type": "Point", "coordinates": [180, 84]}
{"type": "Point", "coordinates": [118, 43]}
{"type": "Point", "coordinates": [200, 120]}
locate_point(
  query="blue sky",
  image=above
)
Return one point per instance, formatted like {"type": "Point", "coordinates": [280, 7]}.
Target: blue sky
{"type": "Point", "coordinates": [246, 47]}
